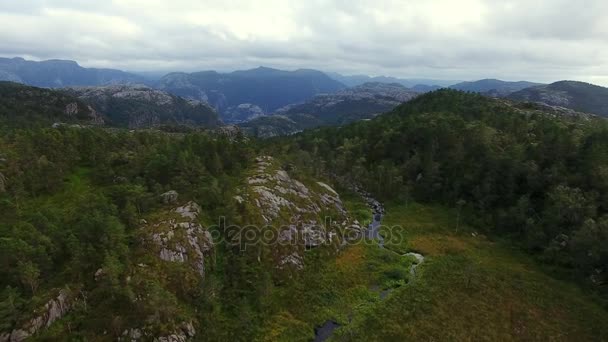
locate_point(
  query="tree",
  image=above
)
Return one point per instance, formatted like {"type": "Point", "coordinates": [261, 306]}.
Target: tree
{"type": "Point", "coordinates": [29, 274]}
{"type": "Point", "coordinates": [461, 203]}
{"type": "Point", "coordinates": [590, 245]}
{"type": "Point", "coordinates": [10, 303]}
{"type": "Point", "coordinates": [2, 183]}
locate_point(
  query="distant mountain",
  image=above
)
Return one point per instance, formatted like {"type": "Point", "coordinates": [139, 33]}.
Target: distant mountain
{"type": "Point", "coordinates": [279, 125]}
{"type": "Point", "coordinates": [61, 73]}
{"type": "Point", "coordinates": [266, 88]}
{"type": "Point", "coordinates": [144, 107]}
{"type": "Point", "coordinates": [423, 88]}
{"type": "Point", "coordinates": [579, 96]}
{"type": "Point", "coordinates": [356, 80]}
{"type": "Point", "coordinates": [26, 106]}
{"type": "Point", "coordinates": [493, 87]}
{"type": "Point", "coordinates": [349, 105]}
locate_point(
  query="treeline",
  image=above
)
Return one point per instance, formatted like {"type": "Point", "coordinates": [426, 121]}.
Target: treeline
{"type": "Point", "coordinates": [70, 200]}
{"type": "Point", "coordinates": [540, 179]}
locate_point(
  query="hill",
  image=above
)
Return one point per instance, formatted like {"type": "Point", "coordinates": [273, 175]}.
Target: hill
{"type": "Point", "coordinates": [358, 103]}
{"type": "Point", "coordinates": [493, 87]}
{"type": "Point", "coordinates": [266, 88]}
{"type": "Point", "coordinates": [356, 80]}
{"type": "Point", "coordinates": [60, 73]}
{"type": "Point", "coordinates": [580, 96]}
{"type": "Point", "coordinates": [25, 106]}
{"type": "Point", "coordinates": [144, 107]}
{"type": "Point", "coordinates": [485, 218]}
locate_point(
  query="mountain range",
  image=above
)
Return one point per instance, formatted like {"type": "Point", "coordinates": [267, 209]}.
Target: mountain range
{"type": "Point", "coordinates": [112, 106]}
{"type": "Point", "coordinates": [302, 98]}
{"type": "Point", "coordinates": [358, 103]}
{"type": "Point", "coordinates": [266, 88]}
{"type": "Point", "coordinates": [355, 80]}
{"type": "Point", "coordinates": [493, 87]}
{"type": "Point", "coordinates": [110, 234]}
{"type": "Point", "coordinates": [61, 73]}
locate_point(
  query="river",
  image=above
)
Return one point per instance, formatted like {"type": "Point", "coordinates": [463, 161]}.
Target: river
{"type": "Point", "coordinates": [325, 331]}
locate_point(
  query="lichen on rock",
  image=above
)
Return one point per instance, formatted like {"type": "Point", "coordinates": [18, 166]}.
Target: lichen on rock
{"type": "Point", "coordinates": [52, 311]}
{"type": "Point", "coordinates": [304, 216]}
{"type": "Point", "coordinates": [181, 238]}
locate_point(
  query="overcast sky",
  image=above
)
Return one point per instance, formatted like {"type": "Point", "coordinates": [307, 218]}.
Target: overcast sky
{"type": "Point", "coordinates": [538, 40]}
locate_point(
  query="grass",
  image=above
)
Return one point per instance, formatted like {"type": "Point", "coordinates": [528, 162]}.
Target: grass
{"type": "Point", "coordinates": [358, 209]}
{"type": "Point", "coordinates": [473, 289]}
{"type": "Point", "coordinates": [340, 290]}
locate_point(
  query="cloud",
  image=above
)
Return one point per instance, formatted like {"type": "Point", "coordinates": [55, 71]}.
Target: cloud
{"type": "Point", "coordinates": [542, 40]}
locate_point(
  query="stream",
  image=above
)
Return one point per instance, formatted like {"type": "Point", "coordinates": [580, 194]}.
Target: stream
{"type": "Point", "coordinates": [324, 332]}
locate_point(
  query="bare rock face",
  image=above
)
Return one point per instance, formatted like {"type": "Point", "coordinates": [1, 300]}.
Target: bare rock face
{"type": "Point", "coordinates": [71, 109]}
{"type": "Point", "coordinates": [53, 310]}
{"type": "Point", "coordinates": [242, 112]}
{"type": "Point", "coordinates": [138, 92]}
{"type": "Point", "coordinates": [303, 217]}
{"type": "Point", "coordinates": [181, 238]}
{"type": "Point", "coordinates": [230, 131]}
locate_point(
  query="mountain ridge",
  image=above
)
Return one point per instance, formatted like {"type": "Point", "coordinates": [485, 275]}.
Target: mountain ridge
{"type": "Point", "coordinates": [493, 87]}
{"type": "Point", "coordinates": [58, 73]}
{"type": "Point", "coordinates": [576, 95]}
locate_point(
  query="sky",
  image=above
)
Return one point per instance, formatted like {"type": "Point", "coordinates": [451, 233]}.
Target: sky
{"type": "Point", "coordinates": [536, 40]}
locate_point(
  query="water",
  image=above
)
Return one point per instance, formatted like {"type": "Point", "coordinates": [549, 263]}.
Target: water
{"type": "Point", "coordinates": [373, 230]}
{"type": "Point", "coordinates": [323, 332]}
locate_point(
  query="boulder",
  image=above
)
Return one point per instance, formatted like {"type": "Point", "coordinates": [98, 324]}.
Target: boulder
{"type": "Point", "coordinates": [169, 197]}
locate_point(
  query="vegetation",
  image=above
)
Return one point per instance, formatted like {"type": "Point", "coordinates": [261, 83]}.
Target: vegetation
{"type": "Point", "coordinates": [507, 204]}
{"type": "Point", "coordinates": [72, 204]}
{"type": "Point", "coordinates": [536, 179]}
{"type": "Point", "coordinates": [143, 107]}
{"type": "Point", "coordinates": [470, 288]}
{"type": "Point", "coordinates": [24, 106]}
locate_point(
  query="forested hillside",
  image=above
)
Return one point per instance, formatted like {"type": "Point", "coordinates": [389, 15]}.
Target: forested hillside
{"type": "Point", "coordinates": [513, 170]}
{"type": "Point", "coordinates": [495, 228]}
{"type": "Point", "coordinates": [24, 106]}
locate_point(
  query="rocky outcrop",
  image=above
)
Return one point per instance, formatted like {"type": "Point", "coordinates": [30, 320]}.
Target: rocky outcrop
{"type": "Point", "coordinates": [303, 216]}
{"type": "Point", "coordinates": [139, 92]}
{"type": "Point", "coordinates": [181, 238]}
{"type": "Point", "coordinates": [242, 112]}
{"type": "Point", "coordinates": [52, 311]}
{"type": "Point", "coordinates": [169, 197]}
{"type": "Point", "coordinates": [419, 259]}
{"type": "Point", "coordinates": [185, 332]}
{"type": "Point", "coordinates": [229, 131]}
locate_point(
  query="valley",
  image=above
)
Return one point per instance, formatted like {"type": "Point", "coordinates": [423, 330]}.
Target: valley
{"type": "Point", "coordinates": [303, 171]}
{"type": "Point", "coordinates": [374, 212]}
